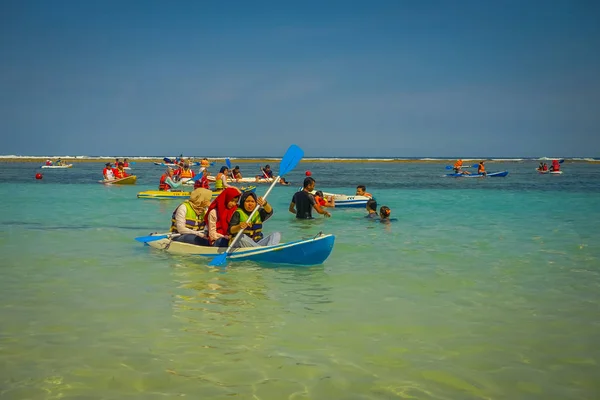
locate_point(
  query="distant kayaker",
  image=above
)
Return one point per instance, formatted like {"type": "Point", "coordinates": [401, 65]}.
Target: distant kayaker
{"type": "Point", "coordinates": [253, 235]}
{"type": "Point", "coordinates": [236, 174]}
{"type": "Point", "coordinates": [481, 168]}
{"type": "Point", "coordinates": [540, 167]}
{"type": "Point", "coordinates": [545, 167]}
{"type": "Point", "coordinates": [167, 182]}
{"type": "Point", "coordinates": [303, 201]}
{"type": "Point", "coordinates": [120, 171]}
{"type": "Point", "coordinates": [185, 172]}
{"type": "Point", "coordinates": [361, 190]}
{"type": "Point", "coordinates": [221, 179]}
{"type": "Point", "coordinates": [458, 168]}
{"type": "Point", "coordinates": [219, 215]}
{"type": "Point", "coordinates": [125, 163]}
{"type": "Point", "coordinates": [372, 209]}
{"type": "Point", "coordinates": [108, 172]}
{"type": "Point", "coordinates": [188, 218]}
{"type": "Point", "coordinates": [203, 181]}
{"type": "Point", "coordinates": [267, 173]}
{"type": "Point", "coordinates": [555, 166]}
{"type": "Point", "coordinates": [48, 162]}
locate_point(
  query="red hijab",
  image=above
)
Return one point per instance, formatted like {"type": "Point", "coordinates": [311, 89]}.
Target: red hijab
{"type": "Point", "coordinates": [224, 214]}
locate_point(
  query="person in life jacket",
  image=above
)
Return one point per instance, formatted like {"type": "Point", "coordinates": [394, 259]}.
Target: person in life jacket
{"type": "Point", "coordinates": [555, 166]}
{"type": "Point", "coordinates": [167, 183]}
{"type": "Point", "coordinates": [481, 168]}
{"type": "Point", "coordinates": [236, 174]}
{"type": "Point", "coordinates": [185, 172]}
{"type": "Point", "coordinates": [108, 172]}
{"type": "Point", "coordinates": [48, 162]}
{"type": "Point", "coordinates": [253, 235]}
{"type": "Point", "coordinates": [125, 163]}
{"type": "Point", "coordinates": [203, 181]}
{"type": "Point", "coordinates": [458, 168]}
{"type": "Point", "coordinates": [545, 167]}
{"type": "Point", "coordinates": [324, 201]}
{"type": "Point", "coordinates": [267, 173]}
{"type": "Point", "coordinates": [361, 190]}
{"type": "Point", "coordinates": [204, 163]}
{"type": "Point", "coordinates": [188, 219]}
{"type": "Point", "coordinates": [120, 171]}
{"type": "Point", "coordinates": [219, 214]}
{"type": "Point", "coordinates": [221, 179]}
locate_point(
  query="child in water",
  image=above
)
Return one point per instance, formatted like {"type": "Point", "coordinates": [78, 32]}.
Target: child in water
{"type": "Point", "coordinates": [384, 215]}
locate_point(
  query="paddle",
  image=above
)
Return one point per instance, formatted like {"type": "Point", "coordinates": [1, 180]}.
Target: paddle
{"type": "Point", "coordinates": [152, 238]}
{"type": "Point", "coordinates": [292, 157]}
{"type": "Point", "coordinates": [168, 160]}
{"type": "Point", "coordinates": [464, 166]}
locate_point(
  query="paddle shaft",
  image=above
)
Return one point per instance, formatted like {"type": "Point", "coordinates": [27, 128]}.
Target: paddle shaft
{"type": "Point", "coordinates": [241, 231]}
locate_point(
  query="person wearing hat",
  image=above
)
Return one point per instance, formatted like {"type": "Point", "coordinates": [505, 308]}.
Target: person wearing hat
{"type": "Point", "coordinates": [188, 218]}
{"type": "Point", "coordinates": [109, 174]}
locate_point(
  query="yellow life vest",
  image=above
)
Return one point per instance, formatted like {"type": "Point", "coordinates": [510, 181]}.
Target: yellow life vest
{"type": "Point", "coordinates": [219, 182]}
{"type": "Point", "coordinates": [255, 230]}
{"type": "Point", "coordinates": [193, 221]}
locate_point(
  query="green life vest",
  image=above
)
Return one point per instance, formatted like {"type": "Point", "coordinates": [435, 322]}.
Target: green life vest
{"type": "Point", "coordinates": [219, 182]}
{"type": "Point", "coordinates": [193, 221]}
{"type": "Point", "coordinates": [255, 230]}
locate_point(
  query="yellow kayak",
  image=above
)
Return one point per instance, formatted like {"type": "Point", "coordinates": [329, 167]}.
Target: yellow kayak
{"type": "Point", "coordinates": [128, 180]}
{"type": "Point", "coordinates": [164, 195]}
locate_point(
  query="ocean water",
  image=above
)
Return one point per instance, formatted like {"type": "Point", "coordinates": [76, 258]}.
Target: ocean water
{"type": "Point", "coordinates": [483, 289]}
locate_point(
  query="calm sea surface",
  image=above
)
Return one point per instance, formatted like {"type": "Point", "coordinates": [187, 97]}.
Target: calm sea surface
{"type": "Point", "coordinates": [483, 289]}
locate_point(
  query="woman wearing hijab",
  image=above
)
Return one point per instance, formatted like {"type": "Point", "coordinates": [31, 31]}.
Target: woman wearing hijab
{"type": "Point", "coordinates": [219, 214]}
{"type": "Point", "coordinates": [188, 218]}
{"type": "Point", "coordinates": [253, 235]}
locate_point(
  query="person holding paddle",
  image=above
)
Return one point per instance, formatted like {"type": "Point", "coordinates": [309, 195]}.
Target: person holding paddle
{"type": "Point", "coordinates": [240, 221]}
{"type": "Point", "coordinates": [481, 168]}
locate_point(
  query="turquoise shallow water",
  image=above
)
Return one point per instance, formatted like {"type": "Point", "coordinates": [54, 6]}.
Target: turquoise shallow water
{"type": "Point", "coordinates": [483, 289]}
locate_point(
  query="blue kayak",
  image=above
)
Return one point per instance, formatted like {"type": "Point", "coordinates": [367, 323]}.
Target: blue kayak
{"type": "Point", "coordinates": [306, 252]}
{"type": "Point", "coordinates": [501, 173]}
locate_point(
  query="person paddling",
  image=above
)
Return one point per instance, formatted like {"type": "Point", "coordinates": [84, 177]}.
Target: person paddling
{"type": "Point", "coordinates": [188, 218]}
{"type": "Point", "coordinates": [481, 169]}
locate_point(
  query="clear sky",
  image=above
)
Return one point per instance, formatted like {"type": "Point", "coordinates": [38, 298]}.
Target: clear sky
{"type": "Point", "coordinates": [338, 78]}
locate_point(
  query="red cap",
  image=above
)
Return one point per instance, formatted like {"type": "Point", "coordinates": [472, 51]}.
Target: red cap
{"type": "Point", "coordinates": [308, 173]}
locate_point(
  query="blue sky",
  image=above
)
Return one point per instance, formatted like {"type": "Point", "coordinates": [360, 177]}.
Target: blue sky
{"type": "Point", "coordinates": [398, 78]}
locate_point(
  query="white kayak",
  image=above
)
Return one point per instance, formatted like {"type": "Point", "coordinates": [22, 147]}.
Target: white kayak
{"type": "Point", "coordinates": [348, 201]}
{"type": "Point", "coordinates": [58, 166]}
{"type": "Point", "coordinates": [243, 180]}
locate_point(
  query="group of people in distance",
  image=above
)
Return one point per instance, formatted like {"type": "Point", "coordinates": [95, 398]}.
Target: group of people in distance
{"type": "Point", "coordinates": [57, 163]}
{"type": "Point", "coordinates": [201, 222]}
{"type": "Point", "coordinates": [458, 165]}
{"type": "Point", "coordinates": [554, 167]}
{"type": "Point", "coordinates": [110, 174]}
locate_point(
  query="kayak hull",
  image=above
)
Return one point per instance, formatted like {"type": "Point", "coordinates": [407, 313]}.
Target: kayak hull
{"type": "Point", "coordinates": [57, 166]}
{"type": "Point", "coordinates": [165, 195]}
{"type": "Point", "coordinates": [345, 201]}
{"type": "Point", "coordinates": [128, 180]}
{"type": "Point", "coordinates": [162, 164]}
{"type": "Point", "coordinates": [307, 252]}
{"type": "Point", "coordinates": [242, 180]}
{"type": "Point", "coordinates": [491, 175]}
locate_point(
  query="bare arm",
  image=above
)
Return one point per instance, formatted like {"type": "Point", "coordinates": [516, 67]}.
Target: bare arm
{"type": "Point", "coordinates": [212, 226]}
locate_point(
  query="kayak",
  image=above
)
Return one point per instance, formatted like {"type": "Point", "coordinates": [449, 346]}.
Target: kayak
{"type": "Point", "coordinates": [128, 180]}
{"type": "Point", "coordinates": [306, 252]}
{"type": "Point", "coordinates": [243, 180]}
{"type": "Point", "coordinates": [163, 164]}
{"type": "Point", "coordinates": [58, 166]}
{"type": "Point", "coordinates": [549, 172]}
{"type": "Point", "coordinates": [165, 195]}
{"type": "Point", "coordinates": [490, 174]}
{"type": "Point", "coordinates": [345, 201]}
{"type": "Point", "coordinates": [556, 172]}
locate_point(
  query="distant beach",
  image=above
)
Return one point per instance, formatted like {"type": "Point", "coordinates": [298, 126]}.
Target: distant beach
{"type": "Point", "coordinates": [264, 160]}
